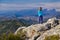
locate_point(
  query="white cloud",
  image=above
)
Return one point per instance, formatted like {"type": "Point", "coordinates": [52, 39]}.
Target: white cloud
{"type": "Point", "coordinates": [27, 6]}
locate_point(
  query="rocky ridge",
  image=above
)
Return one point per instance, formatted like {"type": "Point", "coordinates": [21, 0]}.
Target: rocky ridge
{"type": "Point", "coordinates": [39, 31]}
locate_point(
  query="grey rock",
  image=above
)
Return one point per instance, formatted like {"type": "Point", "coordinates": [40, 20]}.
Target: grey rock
{"type": "Point", "coordinates": [38, 31]}
{"type": "Point", "coordinates": [20, 28]}
{"type": "Point", "coordinates": [53, 31]}
{"type": "Point", "coordinates": [53, 21]}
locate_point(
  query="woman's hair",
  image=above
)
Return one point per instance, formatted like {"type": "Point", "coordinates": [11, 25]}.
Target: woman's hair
{"type": "Point", "coordinates": [40, 8]}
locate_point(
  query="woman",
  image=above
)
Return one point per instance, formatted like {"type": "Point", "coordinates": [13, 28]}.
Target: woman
{"type": "Point", "coordinates": [40, 14]}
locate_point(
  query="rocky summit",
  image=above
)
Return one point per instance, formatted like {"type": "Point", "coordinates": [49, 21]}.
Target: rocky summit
{"type": "Point", "coordinates": [40, 31]}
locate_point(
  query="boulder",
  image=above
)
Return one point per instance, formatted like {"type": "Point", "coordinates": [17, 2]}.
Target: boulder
{"type": "Point", "coordinates": [53, 21]}
{"type": "Point", "coordinates": [34, 30]}
{"type": "Point", "coordinates": [53, 31]}
{"type": "Point", "coordinates": [20, 28]}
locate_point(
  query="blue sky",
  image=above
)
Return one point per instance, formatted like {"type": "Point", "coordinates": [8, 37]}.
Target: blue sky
{"type": "Point", "coordinates": [26, 4]}
{"type": "Point", "coordinates": [27, 1]}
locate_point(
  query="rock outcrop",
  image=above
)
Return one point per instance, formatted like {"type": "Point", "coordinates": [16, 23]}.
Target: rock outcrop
{"type": "Point", "coordinates": [38, 31]}
{"type": "Point", "coordinates": [53, 31]}
{"type": "Point", "coordinates": [20, 28]}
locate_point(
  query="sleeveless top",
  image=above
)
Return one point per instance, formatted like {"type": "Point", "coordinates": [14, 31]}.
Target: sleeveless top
{"type": "Point", "coordinates": [40, 13]}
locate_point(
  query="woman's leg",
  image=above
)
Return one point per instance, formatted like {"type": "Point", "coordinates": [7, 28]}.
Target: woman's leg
{"type": "Point", "coordinates": [41, 19]}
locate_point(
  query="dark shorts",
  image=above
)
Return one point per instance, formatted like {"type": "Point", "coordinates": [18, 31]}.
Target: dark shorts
{"type": "Point", "coordinates": [41, 19]}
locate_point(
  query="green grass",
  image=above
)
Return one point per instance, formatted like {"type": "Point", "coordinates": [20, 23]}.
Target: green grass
{"type": "Point", "coordinates": [11, 36]}
{"type": "Point", "coordinates": [52, 37]}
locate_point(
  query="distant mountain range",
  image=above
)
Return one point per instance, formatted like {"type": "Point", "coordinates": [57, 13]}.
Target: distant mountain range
{"type": "Point", "coordinates": [28, 13]}
{"type": "Point", "coordinates": [34, 12]}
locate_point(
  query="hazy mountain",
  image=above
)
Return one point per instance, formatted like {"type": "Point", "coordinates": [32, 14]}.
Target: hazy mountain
{"type": "Point", "coordinates": [28, 13]}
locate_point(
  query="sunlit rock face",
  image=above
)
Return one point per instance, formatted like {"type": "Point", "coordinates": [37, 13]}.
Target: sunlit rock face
{"type": "Point", "coordinates": [20, 28]}
{"type": "Point", "coordinates": [53, 31]}
{"type": "Point", "coordinates": [34, 30]}
{"type": "Point", "coordinates": [53, 21]}
{"type": "Point", "coordinates": [37, 31]}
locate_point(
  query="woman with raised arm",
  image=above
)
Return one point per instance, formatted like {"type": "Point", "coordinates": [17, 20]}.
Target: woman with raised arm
{"type": "Point", "coordinates": [40, 14]}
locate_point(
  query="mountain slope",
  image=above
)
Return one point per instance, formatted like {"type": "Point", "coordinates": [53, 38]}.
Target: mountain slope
{"type": "Point", "coordinates": [11, 25]}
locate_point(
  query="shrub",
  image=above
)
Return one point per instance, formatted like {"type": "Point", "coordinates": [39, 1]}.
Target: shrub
{"type": "Point", "coordinates": [52, 37]}
{"type": "Point", "coordinates": [11, 36]}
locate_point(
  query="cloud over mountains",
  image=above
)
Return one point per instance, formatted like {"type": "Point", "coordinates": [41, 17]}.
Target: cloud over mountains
{"type": "Point", "coordinates": [16, 6]}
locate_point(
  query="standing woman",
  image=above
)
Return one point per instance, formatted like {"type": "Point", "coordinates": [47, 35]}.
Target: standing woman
{"type": "Point", "coordinates": [40, 14]}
